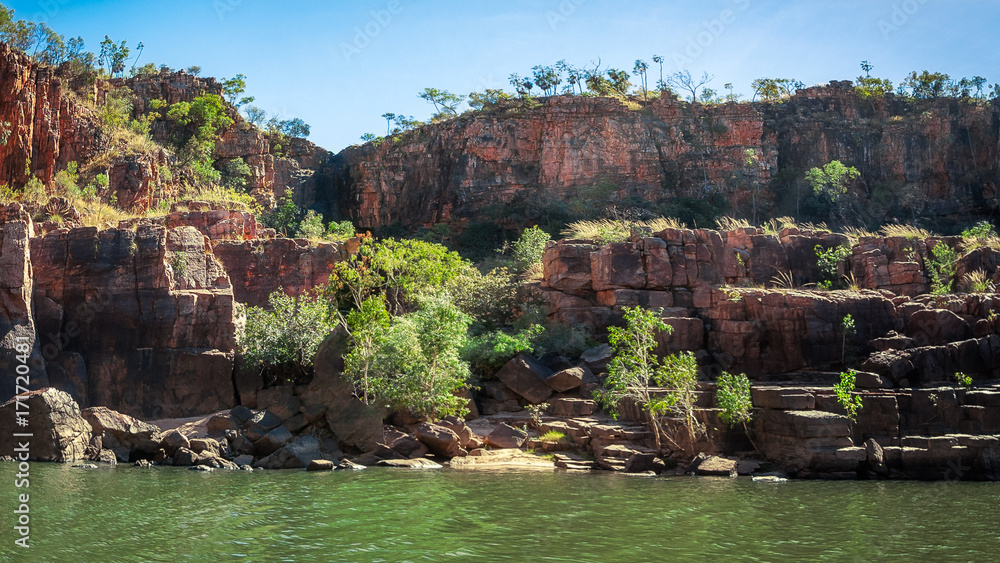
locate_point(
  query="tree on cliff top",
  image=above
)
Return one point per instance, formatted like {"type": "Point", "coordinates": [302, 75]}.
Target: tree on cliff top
{"type": "Point", "coordinates": [445, 103]}
{"type": "Point", "coordinates": [683, 80]}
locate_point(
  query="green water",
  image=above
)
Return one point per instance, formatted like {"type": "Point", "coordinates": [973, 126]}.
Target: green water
{"type": "Point", "coordinates": [171, 514]}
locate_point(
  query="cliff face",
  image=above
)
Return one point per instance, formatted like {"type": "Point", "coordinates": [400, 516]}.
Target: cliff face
{"type": "Point", "coordinates": [48, 129]}
{"type": "Point", "coordinates": [937, 157]}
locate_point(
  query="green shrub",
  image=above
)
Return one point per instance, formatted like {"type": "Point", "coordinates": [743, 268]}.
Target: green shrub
{"type": "Point", "coordinates": [398, 269]}
{"type": "Point", "coordinates": [529, 247]}
{"type": "Point", "coordinates": [493, 299]}
{"type": "Point", "coordinates": [340, 231]}
{"type": "Point", "coordinates": [488, 352]}
{"type": "Point", "coordinates": [982, 229]}
{"type": "Point", "coordinates": [732, 394]}
{"type": "Point", "coordinates": [941, 267]}
{"type": "Point", "coordinates": [635, 370]}
{"type": "Point", "coordinates": [281, 342]}
{"type": "Point", "coordinates": [311, 226]}
{"type": "Point", "coordinates": [410, 362]}
{"type": "Point", "coordinates": [829, 261]}
{"type": "Point", "coordinates": [845, 393]}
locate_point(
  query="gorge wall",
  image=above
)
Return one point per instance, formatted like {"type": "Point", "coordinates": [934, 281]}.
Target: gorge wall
{"type": "Point", "coordinates": [937, 158]}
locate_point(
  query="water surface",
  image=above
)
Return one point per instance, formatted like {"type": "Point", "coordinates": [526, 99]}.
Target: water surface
{"type": "Point", "coordinates": [172, 514]}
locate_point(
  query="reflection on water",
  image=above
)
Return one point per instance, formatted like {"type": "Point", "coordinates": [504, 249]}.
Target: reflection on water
{"type": "Point", "coordinates": [170, 514]}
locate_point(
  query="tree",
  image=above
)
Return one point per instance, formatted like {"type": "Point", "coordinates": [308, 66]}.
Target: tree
{"type": "Point", "coordinates": [732, 394]}
{"type": "Point", "coordinates": [255, 115]}
{"type": "Point", "coordinates": [773, 89]}
{"type": "Point", "coordinates": [522, 86]}
{"type": "Point", "coordinates": [487, 100]}
{"type": "Point", "coordinates": [928, 85]}
{"type": "Point", "coordinates": [295, 127]}
{"type": "Point", "coordinates": [574, 77]}
{"type": "Point", "coordinates": [635, 372]}
{"type": "Point", "coordinates": [194, 70]}
{"type": "Point", "coordinates": [831, 182]}
{"type": "Point", "coordinates": [445, 103]}
{"type": "Point", "coordinates": [640, 69]}
{"type": "Point", "coordinates": [682, 80]}
{"type": "Point", "coordinates": [233, 88]}
{"type": "Point", "coordinates": [546, 78]}
{"type": "Point", "coordinates": [281, 342]}
{"type": "Point", "coordinates": [389, 117]}
{"type": "Point", "coordinates": [113, 56]}
{"type": "Point", "coordinates": [410, 362]}
{"type": "Point", "coordinates": [867, 67]}
{"type": "Point", "coordinates": [660, 84]}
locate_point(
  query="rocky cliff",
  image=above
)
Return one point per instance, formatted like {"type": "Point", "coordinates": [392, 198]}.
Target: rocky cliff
{"type": "Point", "coordinates": [937, 158]}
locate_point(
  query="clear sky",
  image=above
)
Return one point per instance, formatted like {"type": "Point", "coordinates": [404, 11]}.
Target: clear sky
{"type": "Point", "coordinates": [339, 65]}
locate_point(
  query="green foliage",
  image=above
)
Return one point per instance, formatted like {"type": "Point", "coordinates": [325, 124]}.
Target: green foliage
{"type": "Point", "coordinates": [929, 85]}
{"type": "Point", "coordinates": [179, 264]}
{"type": "Point", "coordinates": [413, 362]}
{"type": "Point", "coordinates": [487, 353]}
{"type": "Point", "coordinates": [235, 173]}
{"type": "Point", "coordinates": [117, 109]}
{"type": "Point", "coordinates": [845, 394]}
{"type": "Point", "coordinates": [635, 370]}
{"type": "Point", "coordinates": [340, 230]}
{"type": "Point", "coordinates": [398, 269]}
{"type": "Point", "coordinates": [529, 247]}
{"type": "Point", "coordinates": [829, 261]}
{"type": "Point", "coordinates": [554, 436]}
{"type": "Point", "coordinates": [982, 229]}
{"type": "Point", "coordinates": [962, 379]}
{"type": "Point", "coordinates": [775, 89]}
{"type": "Point", "coordinates": [445, 103]}
{"type": "Point", "coordinates": [488, 100]}
{"type": "Point", "coordinates": [233, 88]}
{"type": "Point", "coordinates": [832, 179]}
{"type": "Point", "coordinates": [311, 226]}
{"type": "Point", "coordinates": [870, 87]}
{"type": "Point", "coordinates": [732, 394]}
{"type": "Point", "coordinates": [284, 218]}
{"type": "Point", "coordinates": [493, 299]}
{"type": "Point", "coordinates": [941, 266]}
{"type": "Point", "coordinates": [113, 56]}
{"type": "Point", "coordinates": [847, 329]}
{"type": "Point", "coordinates": [282, 341]}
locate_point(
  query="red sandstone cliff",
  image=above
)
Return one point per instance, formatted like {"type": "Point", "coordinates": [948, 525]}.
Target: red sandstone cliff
{"type": "Point", "coordinates": [936, 157]}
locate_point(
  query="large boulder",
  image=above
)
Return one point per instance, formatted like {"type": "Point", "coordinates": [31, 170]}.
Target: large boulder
{"type": "Point", "coordinates": [130, 439]}
{"type": "Point", "coordinates": [59, 432]}
{"type": "Point", "coordinates": [295, 455]}
{"type": "Point", "coordinates": [440, 440]}
{"type": "Point", "coordinates": [272, 441]}
{"type": "Point", "coordinates": [526, 377]}
{"type": "Point", "coordinates": [568, 379]}
{"type": "Point", "coordinates": [259, 424]}
{"type": "Point", "coordinates": [506, 436]}
{"type": "Point", "coordinates": [172, 441]}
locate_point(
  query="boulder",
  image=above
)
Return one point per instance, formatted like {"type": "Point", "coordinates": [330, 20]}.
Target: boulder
{"type": "Point", "coordinates": [220, 423]}
{"type": "Point", "coordinates": [714, 466]}
{"type": "Point", "coordinates": [295, 455]}
{"type": "Point", "coordinates": [572, 407]}
{"type": "Point", "coordinates": [929, 327]}
{"type": "Point", "coordinates": [526, 376]}
{"type": "Point", "coordinates": [127, 437]}
{"type": "Point", "coordinates": [206, 445]}
{"type": "Point", "coordinates": [272, 441]}
{"type": "Point", "coordinates": [597, 358]}
{"type": "Point", "coordinates": [440, 440]}
{"type": "Point", "coordinates": [568, 379]}
{"type": "Point", "coordinates": [172, 441]}
{"type": "Point", "coordinates": [241, 414]}
{"type": "Point", "coordinates": [215, 462]}
{"type": "Point", "coordinates": [641, 462]}
{"type": "Point", "coordinates": [348, 465]}
{"type": "Point", "coordinates": [402, 443]}
{"type": "Point", "coordinates": [60, 433]}
{"type": "Point", "coordinates": [184, 457]}
{"type": "Point", "coordinates": [280, 401]}
{"type": "Point", "coordinates": [506, 436]}
{"type": "Point", "coordinates": [320, 465]}
{"type": "Point", "coordinates": [260, 423]}
{"type": "Point", "coordinates": [417, 463]}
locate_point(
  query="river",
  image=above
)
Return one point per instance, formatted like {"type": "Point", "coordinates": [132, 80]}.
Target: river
{"type": "Point", "coordinates": [172, 514]}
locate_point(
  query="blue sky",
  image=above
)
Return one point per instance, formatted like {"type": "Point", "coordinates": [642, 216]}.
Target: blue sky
{"type": "Point", "coordinates": [340, 65]}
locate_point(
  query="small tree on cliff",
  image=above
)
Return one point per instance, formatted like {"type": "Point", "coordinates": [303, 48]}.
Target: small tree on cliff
{"type": "Point", "coordinates": [636, 371]}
